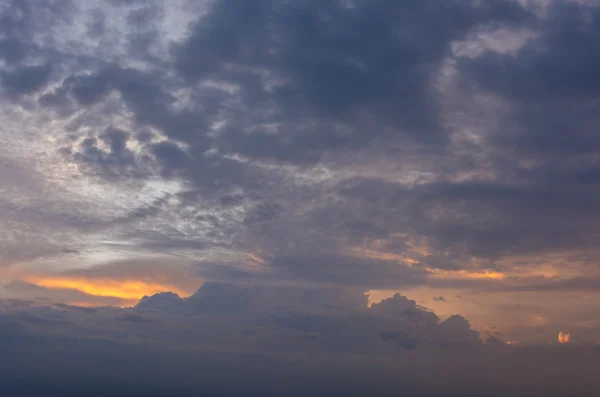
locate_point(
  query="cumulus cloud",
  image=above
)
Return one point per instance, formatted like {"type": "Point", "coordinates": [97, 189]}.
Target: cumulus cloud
{"type": "Point", "coordinates": [311, 339]}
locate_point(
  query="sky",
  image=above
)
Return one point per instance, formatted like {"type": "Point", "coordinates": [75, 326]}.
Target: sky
{"type": "Point", "coordinates": [309, 196]}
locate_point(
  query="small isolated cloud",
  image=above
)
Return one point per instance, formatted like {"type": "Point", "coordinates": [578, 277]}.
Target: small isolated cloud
{"type": "Point", "coordinates": [439, 299]}
{"type": "Point", "coordinates": [564, 337]}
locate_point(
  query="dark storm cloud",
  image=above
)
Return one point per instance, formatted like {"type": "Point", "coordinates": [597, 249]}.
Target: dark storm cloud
{"type": "Point", "coordinates": [316, 83]}
{"type": "Point", "coordinates": [141, 91]}
{"type": "Point", "coordinates": [340, 69]}
{"type": "Point", "coordinates": [25, 80]}
{"type": "Point", "coordinates": [542, 198]}
{"type": "Point", "coordinates": [551, 84]}
{"type": "Point", "coordinates": [555, 63]}
{"type": "Point", "coordinates": [307, 80]}
{"type": "Point", "coordinates": [116, 163]}
{"type": "Point", "coordinates": [494, 219]}
{"type": "Point", "coordinates": [20, 21]}
{"type": "Point", "coordinates": [148, 95]}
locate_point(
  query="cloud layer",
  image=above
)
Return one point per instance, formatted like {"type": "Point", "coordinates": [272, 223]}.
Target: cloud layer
{"type": "Point", "coordinates": [444, 151]}
{"type": "Point", "coordinates": [272, 340]}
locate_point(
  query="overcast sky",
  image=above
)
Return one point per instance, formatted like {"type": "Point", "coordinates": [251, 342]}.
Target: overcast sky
{"type": "Point", "coordinates": [281, 166]}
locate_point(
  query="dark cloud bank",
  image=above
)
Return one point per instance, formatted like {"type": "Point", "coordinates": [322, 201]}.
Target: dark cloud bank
{"type": "Point", "coordinates": [255, 100]}
{"type": "Point", "coordinates": [249, 340]}
{"type": "Point", "coordinates": [302, 132]}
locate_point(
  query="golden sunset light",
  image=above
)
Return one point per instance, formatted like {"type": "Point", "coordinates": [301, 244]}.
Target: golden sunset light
{"type": "Point", "coordinates": [130, 291]}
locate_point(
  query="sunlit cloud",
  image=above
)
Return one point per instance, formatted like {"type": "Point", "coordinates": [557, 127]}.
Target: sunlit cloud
{"type": "Point", "coordinates": [467, 274]}
{"type": "Point", "coordinates": [382, 255]}
{"type": "Point", "coordinates": [256, 258]}
{"type": "Point", "coordinates": [564, 337]}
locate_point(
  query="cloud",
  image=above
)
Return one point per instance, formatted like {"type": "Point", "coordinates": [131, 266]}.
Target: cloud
{"type": "Point", "coordinates": [258, 128]}
{"type": "Point", "coordinates": [338, 145]}
{"type": "Point", "coordinates": [307, 340]}
{"type": "Point", "coordinates": [565, 284]}
{"type": "Point", "coordinates": [25, 80]}
{"type": "Point", "coordinates": [319, 57]}
{"type": "Point", "coordinates": [564, 337]}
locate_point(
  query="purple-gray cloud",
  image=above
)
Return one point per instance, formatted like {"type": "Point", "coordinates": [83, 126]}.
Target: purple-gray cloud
{"type": "Point", "coordinates": [272, 340]}
{"type": "Point", "coordinates": [358, 145]}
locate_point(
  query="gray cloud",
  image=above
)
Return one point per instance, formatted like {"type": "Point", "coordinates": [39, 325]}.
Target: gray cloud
{"type": "Point", "coordinates": [320, 57]}
{"type": "Point", "coordinates": [226, 330]}
{"type": "Point", "coordinates": [348, 271]}
{"type": "Point", "coordinates": [579, 284]}
{"type": "Point", "coordinates": [351, 145]}
{"type": "Point", "coordinates": [246, 87]}
{"type": "Point", "coordinates": [25, 80]}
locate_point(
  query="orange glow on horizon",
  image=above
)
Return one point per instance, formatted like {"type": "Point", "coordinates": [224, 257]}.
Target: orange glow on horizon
{"type": "Point", "coordinates": [126, 290]}
{"type": "Point", "coordinates": [467, 274]}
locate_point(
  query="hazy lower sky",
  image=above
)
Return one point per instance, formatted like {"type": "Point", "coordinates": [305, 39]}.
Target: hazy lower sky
{"type": "Point", "coordinates": [285, 165]}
